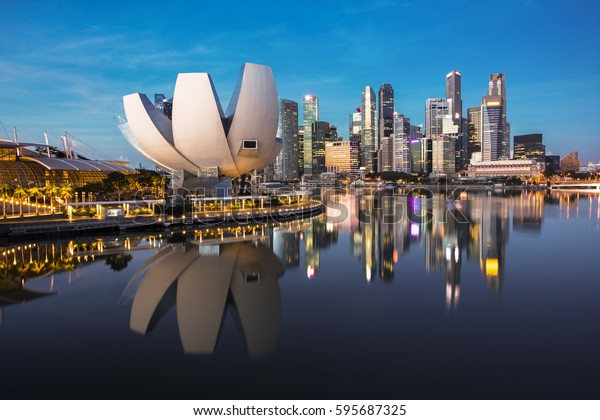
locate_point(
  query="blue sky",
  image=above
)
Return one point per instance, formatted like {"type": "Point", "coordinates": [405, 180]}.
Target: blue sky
{"type": "Point", "coordinates": [65, 65]}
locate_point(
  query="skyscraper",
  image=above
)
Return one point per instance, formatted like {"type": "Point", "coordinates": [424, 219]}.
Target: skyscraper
{"type": "Point", "coordinates": [320, 132]}
{"type": "Point", "coordinates": [310, 114]}
{"type": "Point", "coordinates": [530, 146]}
{"type": "Point", "coordinates": [453, 95]}
{"type": "Point", "coordinates": [401, 143]}
{"type": "Point", "coordinates": [368, 143]}
{"type": "Point", "coordinates": [444, 156]}
{"type": "Point", "coordinates": [386, 111]}
{"type": "Point", "coordinates": [492, 133]}
{"type": "Point", "coordinates": [435, 109]}
{"type": "Point", "coordinates": [497, 88]}
{"type": "Point", "coordinates": [474, 130]}
{"type": "Point", "coordinates": [288, 120]}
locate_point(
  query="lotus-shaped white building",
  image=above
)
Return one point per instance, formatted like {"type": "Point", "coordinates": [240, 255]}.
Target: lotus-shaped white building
{"type": "Point", "coordinates": [200, 137]}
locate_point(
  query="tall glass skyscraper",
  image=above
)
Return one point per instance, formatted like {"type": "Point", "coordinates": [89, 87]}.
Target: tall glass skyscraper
{"type": "Point", "coordinates": [401, 143]}
{"type": "Point", "coordinates": [453, 95]}
{"type": "Point", "coordinates": [435, 109]}
{"type": "Point", "coordinates": [474, 130]}
{"type": "Point", "coordinates": [310, 114]}
{"type": "Point", "coordinates": [497, 88]}
{"type": "Point", "coordinates": [492, 128]}
{"type": "Point", "coordinates": [369, 140]}
{"type": "Point", "coordinates": [288, 121]}
{"type": "Point", "coordinates": [321, 134]}
{"type": "Point", "coordinates": [386, 111]}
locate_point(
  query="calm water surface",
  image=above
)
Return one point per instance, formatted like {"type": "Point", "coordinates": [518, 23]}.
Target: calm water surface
{"type": "Point", "coordinates": [486, 296]}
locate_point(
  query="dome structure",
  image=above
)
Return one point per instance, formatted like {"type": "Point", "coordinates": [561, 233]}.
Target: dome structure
{"type": "Point", "coordinates": [199, 135]}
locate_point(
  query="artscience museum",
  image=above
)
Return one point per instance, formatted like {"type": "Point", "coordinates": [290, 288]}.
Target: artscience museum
{"type": "Point", "coordinates": [201, 141]}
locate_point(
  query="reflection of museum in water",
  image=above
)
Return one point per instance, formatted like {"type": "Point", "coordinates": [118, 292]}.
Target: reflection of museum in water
{"type": "Point", "coordinates": [238, 267]}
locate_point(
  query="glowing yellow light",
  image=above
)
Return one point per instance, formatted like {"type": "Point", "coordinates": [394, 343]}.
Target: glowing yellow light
{"type": "Point", "coordinates": [491, 267]}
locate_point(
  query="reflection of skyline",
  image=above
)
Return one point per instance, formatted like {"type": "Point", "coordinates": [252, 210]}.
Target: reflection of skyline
{"type": "Point", "coordinates": [201, 281]}
{"type": "Point", "coordinates": [470, 225]}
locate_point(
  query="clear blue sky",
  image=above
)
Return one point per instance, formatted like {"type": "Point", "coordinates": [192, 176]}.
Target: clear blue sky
{"type": "Point", "coordinates": [65, 65]}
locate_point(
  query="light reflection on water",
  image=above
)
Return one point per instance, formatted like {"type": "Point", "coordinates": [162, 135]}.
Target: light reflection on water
{"type": "Point", "coordinates": [371, 262]}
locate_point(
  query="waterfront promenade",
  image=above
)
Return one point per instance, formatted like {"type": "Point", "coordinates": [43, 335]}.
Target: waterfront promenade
{"type": "Point", "coordinates": [50, 225]}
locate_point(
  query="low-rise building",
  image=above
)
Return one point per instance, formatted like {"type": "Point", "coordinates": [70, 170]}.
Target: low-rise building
{"type": "Point", "coordinates": [495, 168]}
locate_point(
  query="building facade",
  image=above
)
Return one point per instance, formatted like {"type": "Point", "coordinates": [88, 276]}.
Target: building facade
{"type": "Point", "coordinates": [497, 88]}
{"type": "Point", "coordinates": [435, 109]}
{"type": "Point", "coordinates": [386, 111]}
{"type": "Point", "coordinates": [288, 122]}
{"type": "Point", "coordinates": [443, 156]}
{"type": "Point", "coordinates": [453, 95]}
{"type": "Point", "coordinates": [529, 147]}
{"type": "Point", "coordinates": [310, 114]}
{"type": "Point", "coordinates": [504, 168]}
{"type": "Point", "coordinates": [321, 134]}
{"type": "Point", "coordinates": [492, 128]}
{"type": "Point", "coordinates": [342, 156]}
{"type": "Point", "coordinates": [368, 129]}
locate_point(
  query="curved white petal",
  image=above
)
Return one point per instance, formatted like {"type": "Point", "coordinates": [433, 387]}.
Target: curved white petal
{"type": "Point", "coordinates": [201, 296]}
{"type": "Point", "coordinates": [253, 112]}
{"type": "Point", "coordinates": [198, 123]}
{"type": "Point", "coordinates": [258, 301]}
{"type": "Point", "coordinates": [155, 283]}
{"type": "Point", "coordinates": [153, 132]}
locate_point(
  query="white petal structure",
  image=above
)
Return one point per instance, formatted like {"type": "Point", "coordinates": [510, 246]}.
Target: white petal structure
{"type": "Point", "coordinates": [200, 135]}
{"type": "Point", "coordinates": [199, 284]}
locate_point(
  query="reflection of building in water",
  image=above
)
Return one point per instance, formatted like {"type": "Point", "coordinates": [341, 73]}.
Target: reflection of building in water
{"type": "Point", "coordinates": [385, 218]}
{"type": "Point", "coordinates": [494, 237]}
{"type": "Point", "coordinates": [286, 245]}
{"type": "Point", "coordinates": [200, 281]}
{"type": "Point", "coordinates": [445, 238]}
{"type": "Point", "coordinates": [319, 235]}
{"type": "Point", "coordinates": [528, 211]}
{"type": "Point", "coordinates": [368, 237]}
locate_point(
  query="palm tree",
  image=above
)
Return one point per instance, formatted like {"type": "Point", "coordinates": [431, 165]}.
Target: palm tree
{"type": "Point", "coordinates": [66, 192]}
{"type": "Point", "coordinates": [37, 193]}
{"type": "Point", "coordinates": [6, 192]}
{"type": "Point", "coordinates": [51, 190]}
{"type": "Point", "coordinates": [20, 194]}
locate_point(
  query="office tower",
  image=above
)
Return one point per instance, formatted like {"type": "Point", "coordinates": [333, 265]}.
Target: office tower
{"type": "Point", "coordinates": [342, 156]}
{"type": "Point", "coordinates": [492, 133]}
{"type": "Point", "coordinates": [453, 95]}
{"type": "Point", "coordinates": [310, 114]}
{"type": "Point", "coordinates": [420, 156]}
{"type": "Point", "coordinates": [334, 134]}
{"type": "Point", "coordinates": [288, 121]}
{"type": "Point", "coordinates": [530, 147]}
{"type": "Point", "coordinates": [444, 155]}
{"type": "Point", "coordinates": [473, 130]}
{"type": "Point", "coordinates": [401, 146]}
{"type": "Point", "coordinates": [415, 132]}
{"type": "Point", "coordinates": [300, 150]}
{"type": "Point", "coordinates": [355, 125]}
{"type": "Point", "coordinates": [497, 88]}
{"type": "Point", "coordinates": [368, 124]}
{"type": "Point", "coordinates": [386, 111]}
{"type": "Point", "coordinates": [321, 134]}
{"type": "Point", "coordinates": [435, 109]}
{"type": "Point", "coordinates": [386, 155]}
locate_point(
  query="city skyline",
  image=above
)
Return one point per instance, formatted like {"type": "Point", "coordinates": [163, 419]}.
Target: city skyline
{"type": "Point", "coordinates": [57, 75]}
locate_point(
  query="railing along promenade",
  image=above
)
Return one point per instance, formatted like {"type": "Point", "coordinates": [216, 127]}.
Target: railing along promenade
{"type": "Point", "coordinates": [19, 227]}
